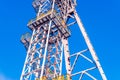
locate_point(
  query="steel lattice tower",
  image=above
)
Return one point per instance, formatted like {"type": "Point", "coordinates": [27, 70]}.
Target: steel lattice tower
{"type": "Point", "coordinates": [48, 49]}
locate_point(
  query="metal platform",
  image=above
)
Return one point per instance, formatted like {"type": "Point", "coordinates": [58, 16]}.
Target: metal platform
{"type": "Point", "coordinates": [25, 39]}
{"type": "Point", "coordinates": [45, 18]}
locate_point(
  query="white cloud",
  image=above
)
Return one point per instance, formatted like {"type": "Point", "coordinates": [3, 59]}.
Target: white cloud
{"type": "Point", "coordinates": [3, 77]}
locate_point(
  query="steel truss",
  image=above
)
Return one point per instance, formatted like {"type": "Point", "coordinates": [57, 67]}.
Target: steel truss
{"type": "Point", "coordinates": [49, 41]}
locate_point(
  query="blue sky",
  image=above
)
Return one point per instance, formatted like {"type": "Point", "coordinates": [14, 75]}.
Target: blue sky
{"type": "Point", "coordinates": [101, 19]}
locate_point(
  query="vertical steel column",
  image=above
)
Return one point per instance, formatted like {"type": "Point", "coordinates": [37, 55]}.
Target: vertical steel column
{"type": "Point", "coordinates": [21, 78]}
{"type": "Point", "coordinates": [61, 57]}
{"type": "Point", "coordinates": [42, 44]}
{"type": "Point", "coordinates": [45, 53]}
{"type": "Point", "coordinates": [44, 57]}
{"type": "Point", "coordinates": [67, 58]}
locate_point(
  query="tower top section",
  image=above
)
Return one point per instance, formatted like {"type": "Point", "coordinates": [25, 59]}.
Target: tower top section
{"type": "Point", "coordinates": [56, 10]}
{"type": "Point", "coordinates": [64, 7]}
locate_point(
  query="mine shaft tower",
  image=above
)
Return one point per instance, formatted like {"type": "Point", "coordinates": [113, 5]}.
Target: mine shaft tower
{"type": "Point", "coordinates": [48, 49]}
